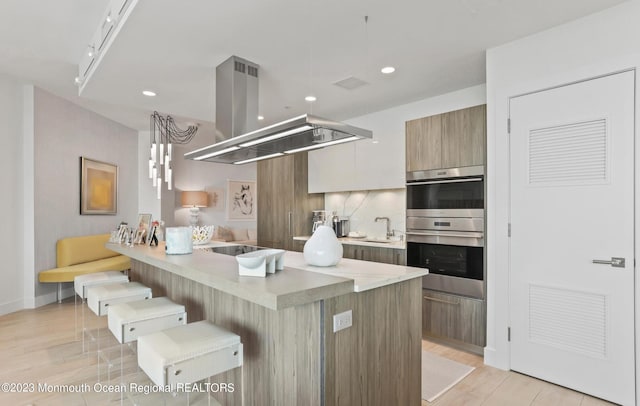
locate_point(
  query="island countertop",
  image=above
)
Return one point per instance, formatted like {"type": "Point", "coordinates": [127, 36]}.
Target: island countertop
{"type": "Point", "coordinates": [297, 284]}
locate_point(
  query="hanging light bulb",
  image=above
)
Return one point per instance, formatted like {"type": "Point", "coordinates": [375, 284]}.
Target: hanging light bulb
{"type": "Point", "coordinates": [163, 134]}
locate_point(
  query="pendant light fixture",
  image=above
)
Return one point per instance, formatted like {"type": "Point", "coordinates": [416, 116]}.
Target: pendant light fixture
{"type": "Point", "coordinates": [164, 133]}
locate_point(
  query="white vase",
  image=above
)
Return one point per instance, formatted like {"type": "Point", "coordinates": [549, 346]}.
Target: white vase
{"type": "Point", "coordinates": [323, 248]}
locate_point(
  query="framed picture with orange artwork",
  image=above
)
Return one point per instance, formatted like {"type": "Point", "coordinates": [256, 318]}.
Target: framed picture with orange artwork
{"type": "Point", "coordinates": [98, 187]}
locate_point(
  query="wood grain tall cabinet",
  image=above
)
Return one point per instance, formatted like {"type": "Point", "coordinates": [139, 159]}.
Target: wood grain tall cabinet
{"type": "Point", "coordinates": [284, 205]}
{"type": "Point", "coordinates": [450, 140]}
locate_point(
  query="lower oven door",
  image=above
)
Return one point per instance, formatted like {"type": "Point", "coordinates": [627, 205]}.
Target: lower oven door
{"type": "Point", "coordinates": [456, 269]}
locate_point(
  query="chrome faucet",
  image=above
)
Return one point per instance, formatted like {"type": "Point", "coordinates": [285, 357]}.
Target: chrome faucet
{"type": "Point", "coordinates": [388, 224]}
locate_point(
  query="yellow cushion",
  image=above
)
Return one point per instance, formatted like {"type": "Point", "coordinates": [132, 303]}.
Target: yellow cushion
{"type": "Point", "coordinates": [67, 273]}
{"type": "Point", "coordinates": [78, 250]}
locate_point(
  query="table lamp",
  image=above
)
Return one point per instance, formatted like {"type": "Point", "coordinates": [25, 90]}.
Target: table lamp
{"type": "Point", "coordinates": [194, 200]}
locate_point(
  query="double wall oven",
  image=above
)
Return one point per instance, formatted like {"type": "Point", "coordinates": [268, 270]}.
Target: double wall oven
{"type": "Point", "coordinates": [445, 228]}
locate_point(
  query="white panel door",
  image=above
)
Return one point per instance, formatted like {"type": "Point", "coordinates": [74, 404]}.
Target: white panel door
{"type": "Point", "coordinates": [572, 202]}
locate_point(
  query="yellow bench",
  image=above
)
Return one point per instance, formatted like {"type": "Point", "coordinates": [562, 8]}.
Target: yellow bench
{"type": "Point", "coordinates": [82, 255]}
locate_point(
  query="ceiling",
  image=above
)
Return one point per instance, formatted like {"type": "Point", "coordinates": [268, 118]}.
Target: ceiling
{"type": "Point", "coordinates": [172, 47]}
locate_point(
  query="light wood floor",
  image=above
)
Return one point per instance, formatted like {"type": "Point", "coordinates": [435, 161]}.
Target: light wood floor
{"type": "Point", "coordinates": [40, 346]}
{"type": "Point", "coordinates": [489, 386]}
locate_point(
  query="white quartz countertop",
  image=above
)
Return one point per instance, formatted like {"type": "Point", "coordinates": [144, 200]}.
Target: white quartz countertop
{"type": "Point", "coordinates": [366, 275]}
{"type": "Point", "coordinates": [299, 283]}
{"type": "Point", "coordinates": [373, 242]}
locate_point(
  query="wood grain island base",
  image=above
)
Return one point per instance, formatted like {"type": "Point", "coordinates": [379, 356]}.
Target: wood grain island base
{"type": "Point", "coordinates": [285, 321]}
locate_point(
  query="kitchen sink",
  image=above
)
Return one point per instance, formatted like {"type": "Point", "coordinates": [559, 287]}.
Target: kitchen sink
{"type": "Point", "coordinates": [381, 240]}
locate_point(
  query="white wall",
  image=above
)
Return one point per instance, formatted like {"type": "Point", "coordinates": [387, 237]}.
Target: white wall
{"type": "Point", "coordinates": [63, 133]}
{"type": "Point", "coordinates": [391, 121]}
{"type": "Point", "coordinates": [190, 175]}
{"type": "Point", "coordinates": [13, 214]}
{"type": "Point", "coordinates": [211, 177]}
{"type": "Point", "coordinates": [597, 44]}
{"type": "Point", "coordinates": [147, 195]}
{"type": "Point", "coordinates": [328, 166]}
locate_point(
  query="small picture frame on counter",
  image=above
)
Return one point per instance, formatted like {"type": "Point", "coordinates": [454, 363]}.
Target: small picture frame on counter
{"type": "Point", "coordinates": [152, 239]}
{"type": "Point", "coordinates": [139, 238]}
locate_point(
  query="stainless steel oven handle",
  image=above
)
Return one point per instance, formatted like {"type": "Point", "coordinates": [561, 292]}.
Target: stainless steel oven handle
{"type": "Point", "coordinates": [433, 182]}
{"type": "Point", "coordinates": [437, 234]}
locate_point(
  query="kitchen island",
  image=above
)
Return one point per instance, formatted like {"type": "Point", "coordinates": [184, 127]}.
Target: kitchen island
{"type": "Point", "coordinates": [292, 355]}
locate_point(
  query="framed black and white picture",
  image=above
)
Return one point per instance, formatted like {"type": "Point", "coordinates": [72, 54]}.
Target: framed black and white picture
{"type": "Point", "coordinates": [241, 200]}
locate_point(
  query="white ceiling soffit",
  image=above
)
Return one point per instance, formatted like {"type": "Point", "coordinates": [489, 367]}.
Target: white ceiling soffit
{"type": "Point", "coordinates": [172, 47]}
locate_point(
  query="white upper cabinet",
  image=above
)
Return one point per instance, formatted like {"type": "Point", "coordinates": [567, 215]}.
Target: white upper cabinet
{"type": "Point", "coordinates": [365, 165]}
{"type": "Point", "coordinates": [360, 165]}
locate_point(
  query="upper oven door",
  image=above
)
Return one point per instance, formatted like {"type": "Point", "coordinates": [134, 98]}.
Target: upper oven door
{"type": "Point", "coordinates": [464, 195]}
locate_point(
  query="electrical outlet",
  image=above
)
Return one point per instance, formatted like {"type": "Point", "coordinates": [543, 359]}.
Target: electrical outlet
{"type": "Point", "coordinates": [342, 320]}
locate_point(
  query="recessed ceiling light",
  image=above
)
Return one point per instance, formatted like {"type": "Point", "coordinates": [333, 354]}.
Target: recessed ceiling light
{"type": "Point", "coordinates": [310, 98]}
{"type": "Point", "coordinates": [148, 93]}
{"type": "Point", "coordinates": [260, 118]}
{"type": "Point", "coordinates": [387, 70]}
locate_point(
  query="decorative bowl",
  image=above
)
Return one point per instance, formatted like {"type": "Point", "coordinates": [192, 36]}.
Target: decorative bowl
{"type": "Point", "coordinates": [251, 259]}
{"type": "Point", "coordinates": [275, 261]}
{"type": "Point", "coordinates": [202, 235]}
{"type": "Point", "coordinates": [261, 262]}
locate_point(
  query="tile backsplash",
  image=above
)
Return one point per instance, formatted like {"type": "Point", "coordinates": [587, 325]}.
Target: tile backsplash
{"type": "Point", "coordinates": [363, 207]}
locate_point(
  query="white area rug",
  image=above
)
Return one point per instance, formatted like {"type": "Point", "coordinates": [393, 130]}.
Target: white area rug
{"type": "Point", "coordinates": [440, 374]}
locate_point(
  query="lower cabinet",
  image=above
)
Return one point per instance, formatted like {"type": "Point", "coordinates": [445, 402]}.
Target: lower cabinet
{"type": "Point", "coordinates": [374, 254]}
{"type": "Point", "coordinates": [455, 319]}
{"type": "Point", "coordinates": [298, 245]}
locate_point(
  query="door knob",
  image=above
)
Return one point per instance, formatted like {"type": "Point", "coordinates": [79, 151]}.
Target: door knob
{"type": "Point", "coordinates": [615, 262]}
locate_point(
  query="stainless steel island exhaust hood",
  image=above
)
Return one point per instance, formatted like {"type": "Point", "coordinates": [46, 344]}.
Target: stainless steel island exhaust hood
{"type": "Point", "coordinates": [236, 112]}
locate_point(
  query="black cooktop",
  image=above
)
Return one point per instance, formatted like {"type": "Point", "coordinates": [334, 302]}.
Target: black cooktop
{"type": "Point", "coordinates": [236, 249]}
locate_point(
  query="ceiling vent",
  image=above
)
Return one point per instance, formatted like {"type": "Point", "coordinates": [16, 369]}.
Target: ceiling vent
{"type": "Point", "coordinates": [350, 83]}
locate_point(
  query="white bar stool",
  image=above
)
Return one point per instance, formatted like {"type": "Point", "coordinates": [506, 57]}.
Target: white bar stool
{"type": "Point", "coordinates": [129, 320]}
{"type": "Point", "coordinates": [101, 297]}
{"type": "Point", "coordinates": [189, 353]}
{"type": "Point", "coordinates": [81, 284]}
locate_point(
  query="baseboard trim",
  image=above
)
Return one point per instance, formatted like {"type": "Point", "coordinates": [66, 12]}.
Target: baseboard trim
{"type": "Point", "coordinates": [10, 307]}
{"type": "Point", "coordinates": [49, 298]}
{"type": "Point", "coordinates": [493, 359]}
